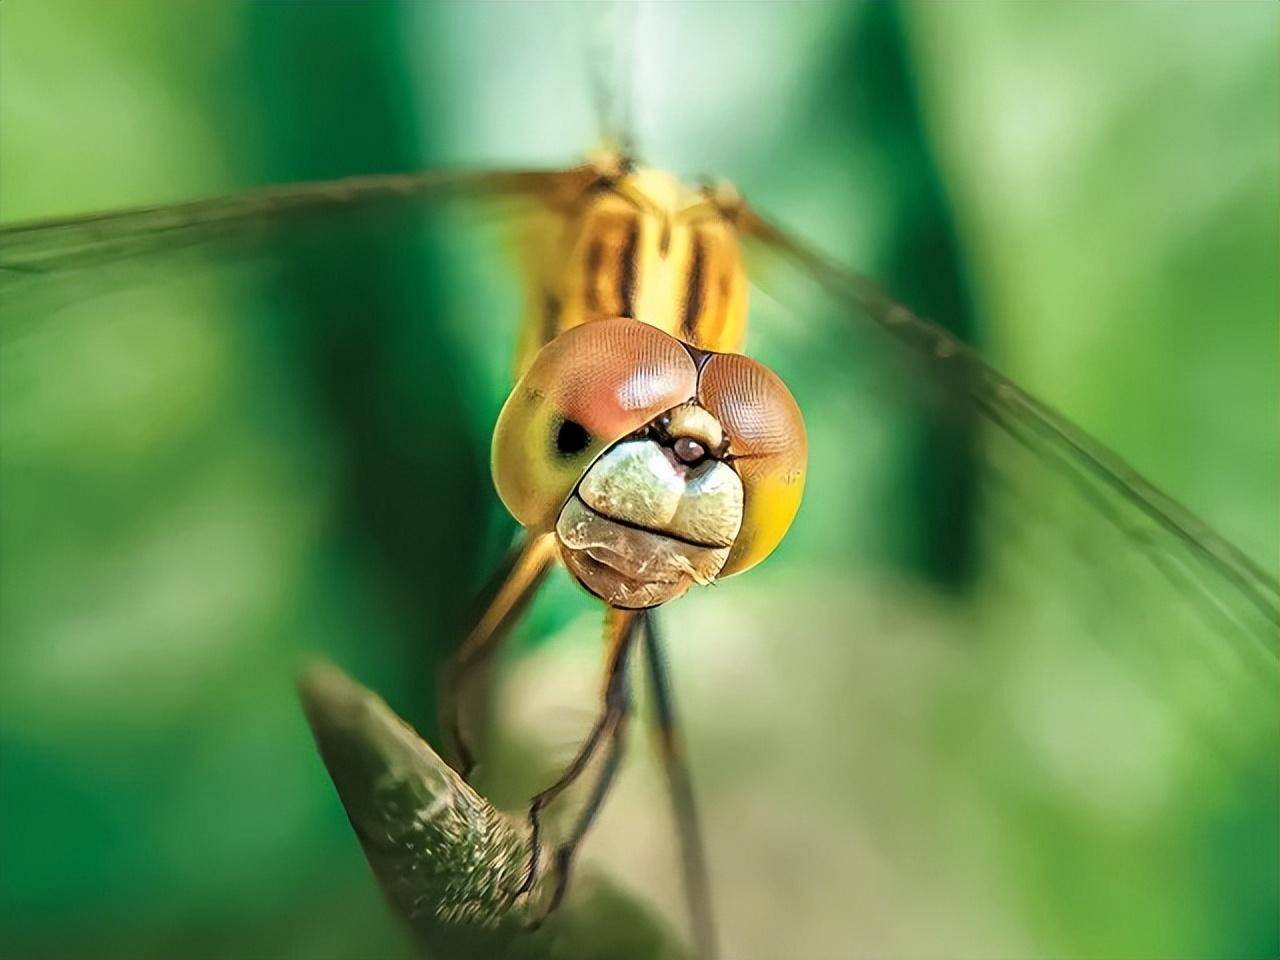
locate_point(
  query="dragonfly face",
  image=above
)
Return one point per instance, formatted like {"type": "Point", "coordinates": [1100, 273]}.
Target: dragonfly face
{"type": "Point", "coordinates": [658, 465]}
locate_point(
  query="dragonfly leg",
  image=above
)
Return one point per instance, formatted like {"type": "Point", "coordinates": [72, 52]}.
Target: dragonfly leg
{"type": "Point", "coordinates": [697, 883]}
{"type": "Point", "coordinates": [516, 584]}
{"type": "Point", "coordinates": [566, 851]}
{"type": "Point", "coordinates": [620, 629]}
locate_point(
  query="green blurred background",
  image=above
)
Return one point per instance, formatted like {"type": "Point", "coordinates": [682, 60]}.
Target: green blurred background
{"type": "Point", "coordinates": [209, 473]}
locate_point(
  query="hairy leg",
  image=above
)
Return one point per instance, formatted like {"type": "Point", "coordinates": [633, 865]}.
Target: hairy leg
{"type": "Point", "coordinates": [565, 853]}
{"type": "Point", "coordinates": [620, 630]}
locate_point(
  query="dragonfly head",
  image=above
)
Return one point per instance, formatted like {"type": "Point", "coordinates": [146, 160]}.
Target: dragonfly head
{"type": "Point", "coordinates": [658, 466]}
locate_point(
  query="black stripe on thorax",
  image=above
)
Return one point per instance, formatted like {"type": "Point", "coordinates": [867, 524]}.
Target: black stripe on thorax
{"type": "Point", "coordinates": [595, 254]}
{"type": "Point", "coordinates": [627, 269]}
{"type": "Point", "coordinates": [693, 286]}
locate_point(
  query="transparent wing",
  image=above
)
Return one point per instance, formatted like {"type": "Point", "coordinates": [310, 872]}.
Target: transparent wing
{"type": "Point", "coordinates": [1090, 718]}
{"type": "Point", "coordinates": [41, 256]}
{"type": "Point", "coordinates": [206, 405]}
{"type": "Point", "coordinates": [42, 247]}
{"type": "Point", "coordinates": [1235, 594]}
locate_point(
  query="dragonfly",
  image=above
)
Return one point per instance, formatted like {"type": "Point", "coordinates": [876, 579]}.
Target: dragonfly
{"type": "Point", "coordinates": [639, 447]}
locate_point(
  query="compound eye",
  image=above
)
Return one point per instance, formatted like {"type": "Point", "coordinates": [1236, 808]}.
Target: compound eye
{"type": "Point", "coordinates": [585, 390]}
{"type": "Point", "coordinates": [767, 446]}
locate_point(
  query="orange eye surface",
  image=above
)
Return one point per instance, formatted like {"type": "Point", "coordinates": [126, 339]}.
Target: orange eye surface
{"type": "Point", "coordinates": [768, 449]}
{"type": "Point", "coordinates": [584, 391]}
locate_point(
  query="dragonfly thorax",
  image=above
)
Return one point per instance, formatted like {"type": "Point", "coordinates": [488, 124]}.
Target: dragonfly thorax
{"type": "Point", "coordinates": [645, 246]}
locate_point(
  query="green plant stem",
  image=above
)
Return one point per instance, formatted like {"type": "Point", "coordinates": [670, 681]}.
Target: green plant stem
{"type": "Point", "coordinates": [445, 857]}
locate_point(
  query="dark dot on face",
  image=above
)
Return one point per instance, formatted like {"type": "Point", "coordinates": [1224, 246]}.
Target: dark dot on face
{"type": "Point", "coordinates": [688, 450]}
{"type": "Point", "coordinates": [571, 438]}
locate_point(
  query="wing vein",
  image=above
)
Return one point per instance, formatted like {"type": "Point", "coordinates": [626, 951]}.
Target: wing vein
{"type": "Point", "coordinates": [998, 399]}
